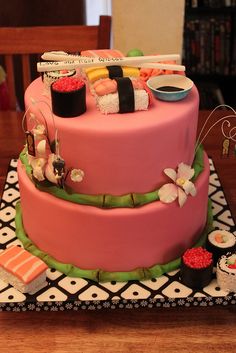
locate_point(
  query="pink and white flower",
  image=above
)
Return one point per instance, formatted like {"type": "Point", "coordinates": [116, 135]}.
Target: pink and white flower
{"type": "Point", "coordinates": [77, 175]}
{"type": "Point", "coordinates": [181, 186]}
{"type": "Point", "coordinates": [38, 167]}
{"type": "Point", "coordinates": [39, 131]}
{"type": "Point", "coordinates": [49, 170]}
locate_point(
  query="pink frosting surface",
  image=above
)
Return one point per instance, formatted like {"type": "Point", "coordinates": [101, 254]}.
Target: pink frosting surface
{"type": "Point", "coordinates": [122, 153]}
{"type": "Point", "coordinates": [113, 239]}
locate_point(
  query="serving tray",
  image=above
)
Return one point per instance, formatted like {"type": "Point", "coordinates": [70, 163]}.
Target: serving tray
{"type": "Point", "coordinates": [66, 293]}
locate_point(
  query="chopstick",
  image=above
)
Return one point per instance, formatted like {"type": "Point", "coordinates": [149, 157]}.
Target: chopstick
{"type": "Point", "coordinates": [75, 61]}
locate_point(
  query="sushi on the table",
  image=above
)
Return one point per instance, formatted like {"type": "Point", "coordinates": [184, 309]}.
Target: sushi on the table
{"type": "Point", "coordinates": [22, 270]}
{"type": "Point", "coordinates": [226, 272]}
{"type": "Point", "coordinates": [196, 268]}
{"type": "Point", "coordinates": [220, 242]}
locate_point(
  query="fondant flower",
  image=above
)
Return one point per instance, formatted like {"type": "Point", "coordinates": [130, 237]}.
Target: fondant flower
{"type": "Point", "coordinates": [38, 166]}
{"type": "Point", "coordinates": [77, 175]}
{"type": "Point", "coordinates": [41, 148]}
{"type": "Point", "coordinates": [181, 187]}
{"type": "Point", "coordinates": [39, 130]}
{"type": "Point", "coordinates": [49, 170]}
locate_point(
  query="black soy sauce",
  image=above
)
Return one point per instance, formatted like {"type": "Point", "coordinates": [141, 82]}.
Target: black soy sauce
{"type": "Point", "coordinates": [169, 89]}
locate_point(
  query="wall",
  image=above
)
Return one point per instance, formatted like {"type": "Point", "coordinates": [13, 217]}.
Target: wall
{"type": "Point", "coordinates": [95, 8]}
{"type": "Point", "coordinates": [155, 26]}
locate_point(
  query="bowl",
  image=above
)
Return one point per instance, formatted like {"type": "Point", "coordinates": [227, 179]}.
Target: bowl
{"type": "Point", "coordinates": [170, 88]}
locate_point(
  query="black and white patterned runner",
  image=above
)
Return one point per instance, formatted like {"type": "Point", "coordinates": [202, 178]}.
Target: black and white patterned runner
{"type": "Point", "coordinates": [67, 293]}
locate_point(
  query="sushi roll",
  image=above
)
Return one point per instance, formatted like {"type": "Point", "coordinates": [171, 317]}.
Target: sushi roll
{"type": "Point", "coordinates": [196, 268]}
{"type": "Point", "coordinates": [220, 242]}
{"type": "Point", "coordinates": [52, 76]}
{"type": "Point", "coordinates": [121, 95]}
{"type": "Point", "coordinates": [226, 272]}
{"type": "Point", "coordinates": [68, 97]}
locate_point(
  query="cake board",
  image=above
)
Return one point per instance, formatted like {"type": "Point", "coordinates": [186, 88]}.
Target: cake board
{"type": "Point", "coordinates": [65, 293]}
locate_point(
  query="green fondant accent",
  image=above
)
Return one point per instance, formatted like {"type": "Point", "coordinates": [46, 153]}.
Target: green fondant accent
{"type": "Point", "coordinates": [198, 163]}
{"type": "Point", "coordinates": [158, 270]}
{"type": "Point", "coordinates": [24, 161]}
{"type": "Point", "coordinates": [111, 201]}
{"type": "Point", "coordinates": [143, 199]}
{"type": "Point", "coordinates": [99, 275]}
{"type": "Point", "coordinates": [139, 273]}
{"type": "Point", "coordinates": [105, 201]}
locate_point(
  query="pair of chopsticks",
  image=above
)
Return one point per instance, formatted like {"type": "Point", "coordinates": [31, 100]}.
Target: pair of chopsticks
{"type": "Point", "coordinates": [63, 61]}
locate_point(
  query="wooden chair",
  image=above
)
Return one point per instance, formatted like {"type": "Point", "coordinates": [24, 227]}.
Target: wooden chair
{"type": "Point", "coordinates": [36, 40]}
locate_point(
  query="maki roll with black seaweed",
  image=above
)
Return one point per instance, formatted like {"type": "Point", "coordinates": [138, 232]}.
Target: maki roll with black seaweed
{"type": "Point", "coordinates": [68, 97]}
{"type": "Point", "coordinates": [220, 242]}
{"type": "Point", "coordinates": [196, 268]}
{"type": "Point", "coordinates": [226, 272]}
{"type": "Point", "coordinates": [52, 76]}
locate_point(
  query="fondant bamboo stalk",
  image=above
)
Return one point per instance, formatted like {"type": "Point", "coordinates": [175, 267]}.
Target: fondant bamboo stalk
{"type": "Point", "coordinates": [94, 62]}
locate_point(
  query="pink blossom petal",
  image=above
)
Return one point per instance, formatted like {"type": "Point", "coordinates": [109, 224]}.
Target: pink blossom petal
{"type": "Point", "coordinates": [37, 162]}
{"type": "Point", "coordinates": [185, 171]}
{"type": "Point", "coordinates": [171, 173]}
{"type": "Point", "coordinates": [38, 173]}
{"type": "Point", "coordinates": [168, 193]}
{"type": "Point", "coordinates": [182, 197]}
{"type": "Point", "coordinates": [49, 174]}
{"type": "Point", "coordinates": [189, 188]}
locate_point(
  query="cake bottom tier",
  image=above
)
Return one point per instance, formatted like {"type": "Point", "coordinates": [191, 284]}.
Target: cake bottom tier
{"type": "Point", "coordinates": [120, 239]}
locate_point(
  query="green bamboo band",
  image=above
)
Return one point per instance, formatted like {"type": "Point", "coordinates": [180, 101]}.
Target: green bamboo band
{"type": "Point", "coordinates": [106, 201]}
{"type": "Point", "coordinates": [99, 275]}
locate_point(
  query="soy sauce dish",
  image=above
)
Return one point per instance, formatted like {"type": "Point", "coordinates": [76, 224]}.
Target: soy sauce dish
{"type": "Point", "coordinates": [170, 88]}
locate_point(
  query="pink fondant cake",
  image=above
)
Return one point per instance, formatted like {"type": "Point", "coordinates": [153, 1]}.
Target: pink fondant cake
{"type": "Point", "coordinates": [119, 191]}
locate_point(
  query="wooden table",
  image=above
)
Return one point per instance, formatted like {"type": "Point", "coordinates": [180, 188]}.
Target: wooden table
{"type": "Point", "coordinates": [185, 330]}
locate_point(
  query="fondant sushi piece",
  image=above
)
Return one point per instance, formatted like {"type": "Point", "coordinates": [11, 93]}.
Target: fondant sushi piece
{"type": "Point", "coordinates": [226, 272]}
{"type": "Point", "coordinates": [196, 268]}
{"type": "Point", "coordinates": [220, 242]}
{"type": "Point", "coordinates": [52, 76]}
{"type": "Point", "coordinates": [102, 53]}
{"type": "Point", "coordinates": [21, 269]}
{"type": "Point", "coordinates": [121, 95]}
{"type": "Point", "coordinates": [97, 73]}
{"type": "Point", "coordinates": [68, 97]}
